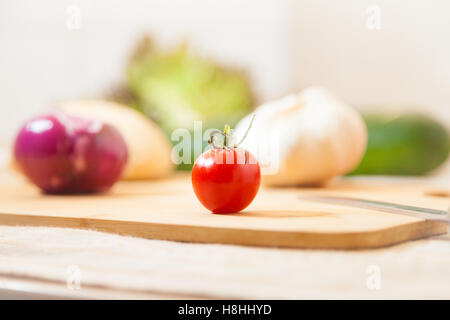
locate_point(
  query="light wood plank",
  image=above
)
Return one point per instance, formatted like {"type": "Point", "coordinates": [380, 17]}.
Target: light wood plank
{"type": "Point", "coordinates": [168, 209]}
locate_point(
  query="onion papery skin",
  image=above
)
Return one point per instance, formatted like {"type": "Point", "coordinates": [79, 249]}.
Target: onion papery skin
{"type": "Point", "coordinates": [62, 154]}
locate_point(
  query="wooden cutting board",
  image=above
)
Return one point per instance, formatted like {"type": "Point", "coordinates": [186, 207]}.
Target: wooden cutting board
{"type": "Point", "coordinates": [168, 209]}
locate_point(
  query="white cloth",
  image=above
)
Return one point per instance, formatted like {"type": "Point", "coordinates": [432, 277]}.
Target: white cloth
{"type": "Point", "coordinates": [418, 269]}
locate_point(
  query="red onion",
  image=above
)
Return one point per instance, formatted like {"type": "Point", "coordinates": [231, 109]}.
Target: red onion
{"type": "Point", "coordinates": [65, 154]}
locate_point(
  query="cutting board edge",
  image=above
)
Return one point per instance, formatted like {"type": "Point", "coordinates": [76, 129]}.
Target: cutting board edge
{"type": "Point", "coordinates": [262, 238]}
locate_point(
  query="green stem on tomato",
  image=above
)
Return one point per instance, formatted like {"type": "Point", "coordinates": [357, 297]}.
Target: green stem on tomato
{"type": "Point", "coordinates": [211, 140]}
{"type": "Point", "coordinates": [246, 132]}
{"type": "Point", "coordinates": [226, 136]}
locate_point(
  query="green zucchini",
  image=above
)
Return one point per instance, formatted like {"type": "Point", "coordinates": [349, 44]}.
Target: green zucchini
{"type": "Point", "coordinates": [405, 145]}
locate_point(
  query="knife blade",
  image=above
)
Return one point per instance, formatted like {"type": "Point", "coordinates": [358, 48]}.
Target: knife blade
{"type": "Point", "coordinates": [412, 211]}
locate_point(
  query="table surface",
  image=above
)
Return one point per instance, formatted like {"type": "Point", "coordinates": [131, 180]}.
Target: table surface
{"type": "Point", "coordinates": [44, 263]}
{"type": "Point", "coordinates": [37, 262]}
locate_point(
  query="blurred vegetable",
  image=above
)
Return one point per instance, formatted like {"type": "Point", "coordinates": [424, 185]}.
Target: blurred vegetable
{"type": "Point", "coordinates": [404, 145]}
{"type": "Point", "coordinates": [176, 87]}
{"type": "Point", "coordinates": [149, 150]}
{"type": "Point", "coordinates": [64, 154]}
{"type": "Point", "coordinates": [305, 138]}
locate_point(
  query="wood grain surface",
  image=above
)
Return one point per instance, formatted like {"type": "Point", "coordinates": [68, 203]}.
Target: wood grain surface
{"type": "Point", "coordinates": [168, 209]}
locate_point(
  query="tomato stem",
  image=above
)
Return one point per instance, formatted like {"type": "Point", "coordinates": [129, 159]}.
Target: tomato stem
{"type": "Point", "coordinates": [211, 140]}
{"type": "Point", "coordinates": [246, 132]}
{"type": "Point", "coordinates": [226, 136]}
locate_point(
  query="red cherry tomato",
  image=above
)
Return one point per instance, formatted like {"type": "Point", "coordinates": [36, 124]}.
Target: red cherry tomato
{"type": "Point", "coordinates": [226, 180]}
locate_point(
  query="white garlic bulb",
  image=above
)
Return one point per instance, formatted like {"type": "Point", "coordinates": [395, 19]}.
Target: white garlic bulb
{"type": "Point", "coordinates": [305, 138]}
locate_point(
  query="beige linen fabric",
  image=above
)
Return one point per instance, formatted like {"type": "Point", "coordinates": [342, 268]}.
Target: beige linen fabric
{"type": "Point", "coordinates": [419, 269]}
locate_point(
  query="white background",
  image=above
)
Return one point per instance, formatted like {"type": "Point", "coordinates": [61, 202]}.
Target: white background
{"type": "Point", "coordinates": [284, 45]}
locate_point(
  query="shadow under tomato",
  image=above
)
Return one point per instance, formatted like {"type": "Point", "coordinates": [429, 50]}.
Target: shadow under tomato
{"type": "Point", "coordinates": [279, 214]}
